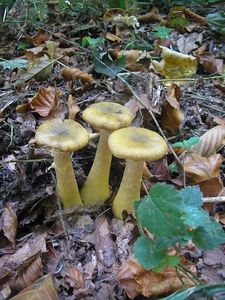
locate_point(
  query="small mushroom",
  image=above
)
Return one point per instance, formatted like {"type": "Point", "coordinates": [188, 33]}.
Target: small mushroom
{"type": "Point", "coordinates": [106, 117]}
{"type": "Point", "coordinates": [135, 145]}
{"type": "Point", "coordinates": [63, 137]}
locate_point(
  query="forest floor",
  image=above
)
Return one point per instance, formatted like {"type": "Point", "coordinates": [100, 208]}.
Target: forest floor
{"type": "Point", "coordinates": [85, 249]}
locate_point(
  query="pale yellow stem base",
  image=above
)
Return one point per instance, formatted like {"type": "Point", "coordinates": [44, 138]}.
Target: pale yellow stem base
{"type": "Point", "coordinates": [66, 183]}
{"type": "Point", "coordinates": [129, 189]}
{"type": "Point", "coordinates": [96, 188]}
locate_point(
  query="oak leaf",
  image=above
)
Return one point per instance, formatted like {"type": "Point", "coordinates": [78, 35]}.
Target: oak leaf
{"type": "Point", "coordinates": [44, 102]}
{"type": "Point", "coordinates": [210, 142]}
{"type": "Point", "coordinates": [74, 73]}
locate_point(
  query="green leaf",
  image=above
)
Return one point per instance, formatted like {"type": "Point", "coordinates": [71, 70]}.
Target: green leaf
{"type": "Point", "coordinates": [173, 167]}
{"type": "Point", "coordinates": [14, 63]}
{"type": "Point", "coordinates": [117, 4]}
{"type": "Point", "coordinates": [209, 236]}
{"type": "Point", "coordinates": [197, 292]}
{"type": "Point", "coordinates": [87, 40]}
{"type": "Point", "coordinates": [187, 144]}
{"type": "Point", "coordinates": [161, 210]}
{"type": "Point", "coordinates": [192, 196]}
{"type": "Point", "coordinates": [153, 255]}
{"type": "Point", "coordinates": [217, 21]}
{"type": "Point", "coordinates": [162, 32]}
{"type": "Point", "coordinates": [105, 65]}
{"type": "Point", "coordinates": [23, 46]}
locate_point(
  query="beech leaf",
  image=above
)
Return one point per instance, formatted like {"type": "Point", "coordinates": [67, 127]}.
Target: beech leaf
{"type": "Point", "coordinates": [9, 224]}
{"type": "Point", "coordinates": [74, 73]}
{"type": "Point", "coordinates": [210, 142]}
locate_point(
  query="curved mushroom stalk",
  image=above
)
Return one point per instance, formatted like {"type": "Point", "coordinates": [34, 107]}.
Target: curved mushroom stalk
{"type": "Point", "coordinates": [66, 183]}
{"type": "Point", "coordinates": [129, 189]}
{"type": "Point", "coordinates": [96, 188]}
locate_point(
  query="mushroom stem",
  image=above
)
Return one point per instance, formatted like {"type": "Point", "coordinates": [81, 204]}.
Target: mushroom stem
{"type": "Point", "coordinates": [66, 183]}
{"type": "Point", "coordinates": [129, 189]}
{"type": "Point", "coordinates": [96, 188]}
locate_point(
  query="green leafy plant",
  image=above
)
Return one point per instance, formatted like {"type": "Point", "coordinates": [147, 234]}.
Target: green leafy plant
{"type": "Point", "coordinates": [170, 218]}
{"type": "Point", "coordinates": [104, 64]}
{"type": "Point", "coordinates": [187, 144]}
{"type": "Point", "coordinates": [217, 21]}
{"type": "Point", "coordinates": [162, 32]}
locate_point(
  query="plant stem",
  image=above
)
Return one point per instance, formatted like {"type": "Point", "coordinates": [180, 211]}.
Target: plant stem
{"type": "Point", "coordinates": [189, 274]}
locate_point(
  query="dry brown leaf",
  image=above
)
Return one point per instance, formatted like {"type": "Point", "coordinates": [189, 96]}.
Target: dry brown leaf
{"type": "Point", "coordinates": [195, 17]}
{"type": "Point", "coordinates": [220, 86]}
{"type": "Point", "coordinates": [135, 280]}
{"type": "Point", "coordinates": [113, 12]}
{"type": "Point", "coordinates": [172, 116]}
{"type": "Point", "coordinates": [74, 278]}
{"type": "Point", "coordinates": [210, 63]}
{"type": "Point", "coordinates": [44, 102]}
{"type": "Point", "coordinates": [39, 38]}
{"type": "Point", "coordinates": [151, 17]}
{"type": "Point", "coordinates": [133, 57]}
{"type": "Point", "coordinates": [73, 108]}
{"type": "Point", "coordinates": [200, 168]}
{"type": "Point", "coordinates": [28, 275]}
{"type": "Point", "coordinates": [211, 187]}
{"type": "Point", "coordinates": [43, 289]}
{"type": "Point", "coordinates": [218, 120]}
{"type": "Point", "coordinates": [175, 65]}
{"type": "Point", "coordinates": [210, 142]}
{"type": "Point", "coordinates": [9, 226]}
{"type": "Point", "coordinates": [112, 37]}
{"type": "Point", "coordinates": [74, 73]}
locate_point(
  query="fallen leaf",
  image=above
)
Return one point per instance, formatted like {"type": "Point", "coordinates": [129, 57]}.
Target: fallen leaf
{"type": "Point", "coordinates": [28, 274]}
{"type": "Point", "coordinates": [9, 226]}
{"type": "Point", "coordinates": [135, 280]}
{"type": "Point", "coordinates": [195, 17]}
{"type": "Point", "coordinates": [44, 102]}
{"type": "Point", "coordinates": [73, 108]}
{"type": "Point", "coordinates": [74, 73]}
{"type": "Point", "coordinates": [172, 116]}
{"type": "Point", "coordinates": [113, 12]}
{"type": "Point", "coordinates": [211, 187]}
{"type": "Point", "coordinates": [211, 64]}
{"type": "Point", "coordinates": [175, 65]}
{"type": "Point", "coordinates": [189, 42]}
{"type": "Point", "coordinates": [210, 142]}
{"type": "Point", "coordinates": [112, 37]}
{"type": "Point", "coordinates": [74, 278]}
{"type": "Point", "coordinates": [200, 168]}
{"type": "Point", "coordinates": [44, 288]}
{"type": "Point", "coordinates": [151, 17]}
{"type": "Point", "coordinates": [39, 38]}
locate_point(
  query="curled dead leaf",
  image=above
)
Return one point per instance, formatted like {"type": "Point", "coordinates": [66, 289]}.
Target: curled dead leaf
{"type": "Point", "coordinates": [74, 73]}
{"type": "Point", "coordinates": [200, 168]}
{"type": "Point", "coordinates": [211, 187]}
{"type": "Point", "coordinates": [133, 57]}
{"type": "Point", "coordinates": [195, 17]}
{"type": "Point", "coordinates": [175, 65]}
{"type": "Point", "coordinates": [44, 102]}
{"type": "Point", "coordinates": [44, 288]}
{"type": "Point", "coordinates": [210, 63]}
{"type": "Point", "coordinates": [172, 116]}
{"type": "Point", "coordinates": [210, 142]}
{"type": "Point", "coordinates": [75, 278]}
{"type": "Point", "coordinates": [9, 220]}
{"type": "Point", "coordinates": [73, 108]}
{"type": "Point", "coordinates": [39, 38]}
{"type": "Point", "coordinates": [28, 274]}
{"type": "Point", "coordinates": [112, 37]}
{"type": "Point", "coordinates": [151, 17]}
{"type": "Point", "coordinates": [135, 280]}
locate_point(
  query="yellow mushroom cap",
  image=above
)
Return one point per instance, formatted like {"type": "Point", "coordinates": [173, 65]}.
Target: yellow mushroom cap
{"type": "Point", "coordinates": [108, 115]}
{"type": "Point", "coordinates": [65, 136]}
{"type": "Point", "coordinates": [137, 144]}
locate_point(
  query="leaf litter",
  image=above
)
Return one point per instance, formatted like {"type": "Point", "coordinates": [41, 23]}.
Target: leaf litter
{"type": "Point", "coordinates": [87, 252]}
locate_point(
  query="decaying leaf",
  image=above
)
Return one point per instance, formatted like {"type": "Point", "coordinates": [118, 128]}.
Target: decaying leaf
{"type": "Point", "coordinates": [210, 142]}
{"type": "Point", "coordinates": [39, 38]}
{"type": "Point", "coordinates": [74, 278]}
{"type": "Point", "coordinates": [195, 17]}
{"type": "Point", "coordinates": [44, 102]}
{"type": "Point", "coordinates": [151, 17]}
{"type": "Point", "coordinates": [74, 73]}
{"type": "Point", "coordinates": [113, 12]}
{"type": "Point", "coordinates": [133, 57]}
{"type": "Point", "coordinates": [28, 274]}
{"type": "Point", "coordinates": [175, 65]}
{"type": "Point", "coordinates": [112, 37]}
{"type": "Point", "coordinates": [211, 64]}
{"type": "Point", "coordinates": [172, 116]}
{"type": "Point", "coordinates": [135, 280]}
{"type": "Point", "coordinates": [9, 220]}
{"type": "Point", "coordinates": [200, 168]}
{"type": "Point", "coordinates": [129, 21]}
{"type": "Point", "coordinates": [44, 288]}
{"type": "Point", "coordinates": [73, 108]}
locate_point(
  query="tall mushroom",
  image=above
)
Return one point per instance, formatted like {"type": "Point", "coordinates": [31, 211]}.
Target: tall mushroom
{"type": "Point", "coordinates": [63, 137]}
{"type": "Point", "coordinates": [106, 117]}
{"type": "Point", "coordinates": [135, 145]}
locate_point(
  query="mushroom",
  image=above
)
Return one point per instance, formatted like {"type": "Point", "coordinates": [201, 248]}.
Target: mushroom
{"type": "Point", "coordinates": [63, 137]}
{"type": "Point", "coordinates": [135, 145]}
{"type": "Point", "coordinates": [106, 117]}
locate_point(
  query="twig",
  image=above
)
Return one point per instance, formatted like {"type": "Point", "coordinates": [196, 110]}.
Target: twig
{"type": "Point", "coordinates": [189, 274]}
{"type": "Point", "coordinates": [191, 79]}
{"type": "Point", "coordinates": [214, 199]}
